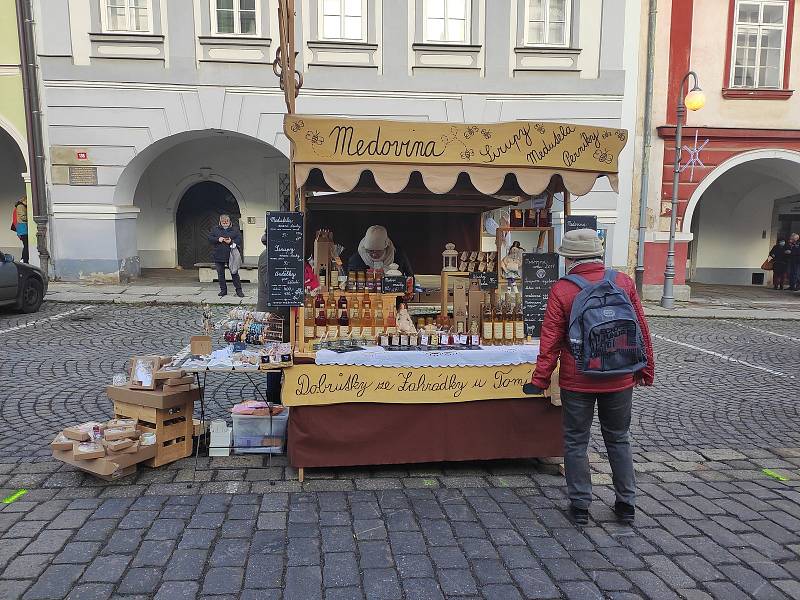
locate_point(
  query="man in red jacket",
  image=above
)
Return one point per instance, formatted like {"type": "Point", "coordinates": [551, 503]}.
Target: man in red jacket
{"type": "Point", "coordinates": [583, 252]}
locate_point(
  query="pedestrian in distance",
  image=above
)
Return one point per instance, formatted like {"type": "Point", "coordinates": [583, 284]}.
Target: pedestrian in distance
{"type": "Point", "coordinates": [19, 225]}
{"type": "Point", "coordinates": [224, 238]}
{"type": "Point", "coordinates": [780, 255]}
{"type": "Point", "coordinates": [794, 262]}
{"type": "Point", "coordinates": [595, 326]}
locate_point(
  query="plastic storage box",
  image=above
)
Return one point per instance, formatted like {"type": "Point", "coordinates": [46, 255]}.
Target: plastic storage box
{"type": "Point", "coordinates": [257, 434]}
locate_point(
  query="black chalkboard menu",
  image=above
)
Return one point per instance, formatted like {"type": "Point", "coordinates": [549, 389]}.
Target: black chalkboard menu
{"type": "Point", "coordinates": [580, 222]}
{"type": "Point", "coordinates": [539, 273]}
{"type": "Point", "coordinates": [285, 266]}
{"type": "Point", "coordinates": [394, 284]}
{"type": "Point", "coordinates": [487, 279]}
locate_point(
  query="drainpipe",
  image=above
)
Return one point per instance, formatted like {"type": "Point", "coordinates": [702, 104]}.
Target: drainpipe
{"type": "Point", "coordinates": [33, 123]}
{"type": "Point", "coordinates": [646, 142]}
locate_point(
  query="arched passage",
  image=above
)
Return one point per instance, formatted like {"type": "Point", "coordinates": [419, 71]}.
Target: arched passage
{"type": "Point", "coordinates": [737, 213]}
{"type": "Point", "coordinates": [177, 183]}
{"type": "Point", "coordinates": [198, 212]}
{"type": "Point", "coordinates": [12, 188]}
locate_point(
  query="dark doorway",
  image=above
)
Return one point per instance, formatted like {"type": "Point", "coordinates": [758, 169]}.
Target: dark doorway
{"type": "Point", "coordinates": [198, 212]}
{"type": "Point", "coordinates": [788, 224]}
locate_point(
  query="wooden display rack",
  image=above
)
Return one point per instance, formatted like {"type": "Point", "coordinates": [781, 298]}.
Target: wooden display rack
{"type": "Point", "coordinates": [173, 428]}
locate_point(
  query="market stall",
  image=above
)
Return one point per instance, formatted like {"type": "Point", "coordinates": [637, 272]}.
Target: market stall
{"type": "Point", "coordinates": [398, 371]}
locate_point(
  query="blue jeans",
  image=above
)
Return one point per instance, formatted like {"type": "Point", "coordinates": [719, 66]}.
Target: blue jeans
{"type": "Point", "coordinates": [223, 285]}
{"type": "Point", "coordinates": [614, 412]}
{"type": "Point", "coordinates": [794, 274]}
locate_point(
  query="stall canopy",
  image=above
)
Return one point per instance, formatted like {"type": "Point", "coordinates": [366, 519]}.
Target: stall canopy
{"type": "Point", "coordinates": [510, 159]}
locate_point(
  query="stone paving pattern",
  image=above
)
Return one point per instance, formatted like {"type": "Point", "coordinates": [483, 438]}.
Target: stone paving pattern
{"type": "Point", "coordinates": [710, 523]}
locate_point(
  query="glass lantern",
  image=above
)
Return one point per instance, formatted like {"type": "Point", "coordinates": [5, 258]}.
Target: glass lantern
{"type": "Point", "coordinates": [450, 258]}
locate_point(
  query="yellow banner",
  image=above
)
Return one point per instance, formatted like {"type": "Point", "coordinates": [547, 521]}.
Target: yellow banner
{"type": "Point", "coordinates": [315, 385]}
{"type": "Point", "coordinates": [516, 144]}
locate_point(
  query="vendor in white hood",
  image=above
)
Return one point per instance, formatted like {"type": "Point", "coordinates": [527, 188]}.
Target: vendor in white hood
{"type": "Point", "coordinates": [376, 250]}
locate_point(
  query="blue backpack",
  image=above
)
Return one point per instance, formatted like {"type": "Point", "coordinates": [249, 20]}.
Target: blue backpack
{"type": "Point", "coordinates": [604, 333]}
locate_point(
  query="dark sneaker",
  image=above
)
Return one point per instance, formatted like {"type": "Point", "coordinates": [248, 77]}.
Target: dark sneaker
{"type": "Point", "coordinates": [579, 516]}
{"type": "Point", "coordinates": [240, 293]}
{"type": "Point", "coordinates": [625, 512]}
{"type": "Point", "coordinates": [221, 294]}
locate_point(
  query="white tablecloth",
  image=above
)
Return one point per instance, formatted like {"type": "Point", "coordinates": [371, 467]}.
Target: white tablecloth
{"type": "Point", "coordinates": [488, 356]}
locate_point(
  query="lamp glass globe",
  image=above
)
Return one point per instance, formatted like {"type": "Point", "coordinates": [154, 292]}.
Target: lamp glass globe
{"type": "Point", "coordinates": [695, 100]}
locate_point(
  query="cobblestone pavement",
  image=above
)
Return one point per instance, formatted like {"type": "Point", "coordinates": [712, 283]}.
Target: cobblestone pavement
{"type": "Point", "coordinates": [710, 522]}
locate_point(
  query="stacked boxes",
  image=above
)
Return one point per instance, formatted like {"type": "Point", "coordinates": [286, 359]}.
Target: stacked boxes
{"type": "Point", "coordinates": [166, 412]}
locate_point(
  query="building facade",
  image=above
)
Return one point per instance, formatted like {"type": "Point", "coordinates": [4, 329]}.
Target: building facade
{"type": "Point", "coordinates": [740, 184]}
{"type": "Point", "coordinates": [14, 177]}
{"type": "Point", "coordinates": [160, 115]}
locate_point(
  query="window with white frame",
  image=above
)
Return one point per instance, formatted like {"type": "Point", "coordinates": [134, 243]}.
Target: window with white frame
{"type": "Point", "coordinates": [547, 23]}
{"type": "Point", "coordinates": [343, 20]}
{"type": "Point", "coordinates": [235, 17]}
{"type": "Point", "coordinates": [759, 44]}
{"type": "Point", "coordinates": [127, 15]}
{"type": "Point", "coordinates": [446, 21]}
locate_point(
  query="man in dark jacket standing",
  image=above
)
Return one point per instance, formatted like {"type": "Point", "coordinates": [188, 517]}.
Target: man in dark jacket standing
{"type": "Point", "coordinates": [613, 394]}
{"type": "Point", "coordinates": [224, 237]}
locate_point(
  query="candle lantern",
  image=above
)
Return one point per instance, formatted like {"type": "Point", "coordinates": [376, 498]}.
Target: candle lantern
{"type": "Point", "coordinates": [450, 258]}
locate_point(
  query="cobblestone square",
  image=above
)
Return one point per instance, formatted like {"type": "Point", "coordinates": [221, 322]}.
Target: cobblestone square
{"type": "Point", "coordinates": [710, 522]}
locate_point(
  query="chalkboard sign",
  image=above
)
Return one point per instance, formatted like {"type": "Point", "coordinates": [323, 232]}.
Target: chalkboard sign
{"type": "Point", "coordinates": [539, 273]}
{"type": "Point", "coordinates": [487, 279]}
{"type": "Point", "coordinates": [394, 284]}
{"type": "Point", "coordinates": [580, 222]}
{"type": "Point", "coordinates": [285, 266]}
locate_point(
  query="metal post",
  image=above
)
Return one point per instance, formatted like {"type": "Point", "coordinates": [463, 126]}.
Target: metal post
{"type": "Point", "coordinates": [668, 295]}
{"type": "Point", "coordinates": [647, 136]}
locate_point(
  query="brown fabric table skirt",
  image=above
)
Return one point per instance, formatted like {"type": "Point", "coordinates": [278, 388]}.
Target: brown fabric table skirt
{"type": "Point", "coordinates": [380, 434]}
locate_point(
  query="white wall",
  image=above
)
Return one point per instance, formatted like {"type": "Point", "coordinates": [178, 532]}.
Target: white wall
{"type": "Point", "coordinates": [247, 168]}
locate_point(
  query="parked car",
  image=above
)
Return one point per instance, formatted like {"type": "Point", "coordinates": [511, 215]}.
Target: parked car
{"type": "Point", "coordinates": [21, 285]}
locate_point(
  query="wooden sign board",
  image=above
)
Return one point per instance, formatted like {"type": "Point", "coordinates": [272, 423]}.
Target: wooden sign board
{"type": "Point", "coordinates": [285, 264]}
{"type": "Point", "coordinates": [539, 273]}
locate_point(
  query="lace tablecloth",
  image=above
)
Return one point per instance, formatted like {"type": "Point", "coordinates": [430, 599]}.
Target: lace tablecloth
{"type": "Point", "coordinates": [487, 356]}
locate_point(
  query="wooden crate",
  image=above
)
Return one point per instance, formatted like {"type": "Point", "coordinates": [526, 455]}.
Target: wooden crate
{"type": "Point", "coordinates": [173, 428]}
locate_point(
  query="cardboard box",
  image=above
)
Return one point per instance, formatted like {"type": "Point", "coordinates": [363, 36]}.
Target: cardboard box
{"type": "Point", "coordinates": [174, 381]}
{"type": "Point", "coordinates": [174, 389]}
{"type": "Point", "coordinates": [132, 449]}
{"type": "Point", "coordinates": [474, 301]}
{"type": "Point", "coordinates": [118, 445]}
{"type": "Point", "coordinates": [460, 305]}
{"type": "Point", "coordinates": [109, 466]}
{"type": "Point", "coordinates": [87, 450]}
{"type": "Point", "coordinates": [82, 432]}
{"type": "Point", "coordinates": [123, 423]}
{"type": "Point", "coordinates": [200, 345]}
{"type": "Point", "coordinates": [120, 433]}
{"type": "Point", "coordinates": [61, 442]}
{"type": "Point", "coordinates": [161, 399]}
{"type": "Point", "coordinates": [170, 374]}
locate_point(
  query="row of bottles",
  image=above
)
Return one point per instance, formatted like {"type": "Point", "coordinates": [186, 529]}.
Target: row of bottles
{"type": "Point", "coordinates": [502, 322]}
{"type": "Point", "coordinates": [347, 317]}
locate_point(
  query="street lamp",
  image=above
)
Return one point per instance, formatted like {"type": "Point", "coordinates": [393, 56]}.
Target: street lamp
{"type": "Point", "coordinates": [694, 100]}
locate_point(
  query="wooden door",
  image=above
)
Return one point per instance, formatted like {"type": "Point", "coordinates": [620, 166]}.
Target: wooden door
{"type": "Point", "coordinates": [198, 213]}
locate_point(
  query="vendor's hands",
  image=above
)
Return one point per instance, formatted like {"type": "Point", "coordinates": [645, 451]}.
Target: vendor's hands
{"type": "Point", "coordinates": [532, 390]}
{"type": "Point", "coordinates": [227, 240]}
{"type": "Point", "coordinates": [222, 240]}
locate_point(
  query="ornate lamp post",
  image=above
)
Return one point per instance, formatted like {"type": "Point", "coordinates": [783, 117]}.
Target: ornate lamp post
{"type": "Point", "coordinates": [694, 100]}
